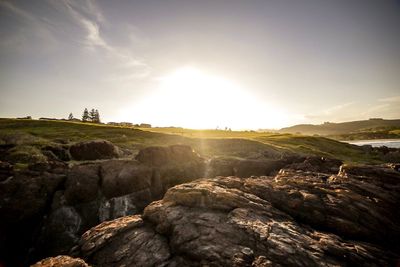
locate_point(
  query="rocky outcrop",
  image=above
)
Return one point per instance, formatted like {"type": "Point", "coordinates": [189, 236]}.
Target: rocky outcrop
{"type": "Point", "coordinates": [92, 150]}
{"type": "Point", "coordinates": [222, 166]}
{"type": "Point", "coordinates": [25, 198]}
{"type": "Point", "coordinates": [294, 218]}
{"type": "Point", "coordinates": [46, 207]}
{"type": "Point", "coordinates": [61, 261]}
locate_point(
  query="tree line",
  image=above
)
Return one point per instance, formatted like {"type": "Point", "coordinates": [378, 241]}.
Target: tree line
{"type": "Point", "coordinates": [88, 116]}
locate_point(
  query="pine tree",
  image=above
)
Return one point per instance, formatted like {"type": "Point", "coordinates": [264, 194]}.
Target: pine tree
{"type": "Point", "coordinates": [85, 116]}
{"type": "Point", "coordinates": [96, 116]}
{"type": "Point", "coordinates": [92, 115]}
{"type": "Point", "coordinates": [70, 116]}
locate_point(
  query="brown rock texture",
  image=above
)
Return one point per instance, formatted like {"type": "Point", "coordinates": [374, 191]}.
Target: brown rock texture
{"type": "Point", "coordinates": [92, 150]}
{"type": "Point", "coordinates": [60, 261]}
{"type": "Point", "coordinates": [294, 218]}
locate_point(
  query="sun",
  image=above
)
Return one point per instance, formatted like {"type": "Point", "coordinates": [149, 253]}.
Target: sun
{"type": "Point", "coordinates": [191, 98]}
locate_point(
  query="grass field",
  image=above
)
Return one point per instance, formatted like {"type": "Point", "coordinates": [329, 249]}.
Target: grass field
{"type": "Point", "coordinates": [207, 142]}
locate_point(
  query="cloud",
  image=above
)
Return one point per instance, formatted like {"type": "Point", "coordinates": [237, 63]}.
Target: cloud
{"type": "Point", "coordinates": [17, 11]}
{"type": "Point", "coordinates": [32, 26]}
{"type": "Point", "coordinates": [393, 99]}
{"type": "Point", "coordinates": [388, 107]}
{"type": "Point", "coordinates": [337, 108]}
{"type": "Point", "coordinates": [90, 18]}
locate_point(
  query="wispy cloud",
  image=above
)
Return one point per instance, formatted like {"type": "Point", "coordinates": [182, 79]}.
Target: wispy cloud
{"type": "Point", "coordinates": [393, 99]}
{"type": "Point", "coordinates": [34, 26]}
{"type": "Point", "coordinates": [384, 107]}
{"type": "Point", "coordinates": [337, 108]}
{"type": "Point", "coordinates": [90, 19]}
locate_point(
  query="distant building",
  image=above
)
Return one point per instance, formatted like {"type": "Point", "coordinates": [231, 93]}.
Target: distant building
{"type": "Point", "coordinates": [145, 125]}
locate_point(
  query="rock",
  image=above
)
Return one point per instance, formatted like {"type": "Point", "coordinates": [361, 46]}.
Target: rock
{"type": "Point", "coordinates": [295, 218]}
{"type": "Point", "coordinates": [392, 156]}
{"type": "Point", "coordinates": [385, 173]}
{"type": "Point", "coordinates": [60, 152]}
{"type": "Point", "coordinates": [129, 240]}
{"type": "Point", "coordinates": [317, 164]}
{"type": "Point", "coordinates": [60, 231]}
{"type": "Point", "coordinates": [25, 195]}
{"type": "Point", "coordinates": [6, 170]}
{"type": "Point", "coordinates": [61, 261]}
{"type": "Point", "coordinates": [82, 184]}
{"type": "Point", "coordinates": [176, 154]}
{"type": "Point", "coordinates": [120, 206]}
{"type": "Point", "coordinates": [247, 168]}
{"type": "Point", "coordinates": [220, 166]}
{"type": "Point", "coordinates": [49, 166]}
{"type": "Point", "coordinates": [122, 177]}
{"type": "Point", "coordinates": [93, 150]}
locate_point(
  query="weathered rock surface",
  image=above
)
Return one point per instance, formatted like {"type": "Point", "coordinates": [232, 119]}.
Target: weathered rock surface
{"type": "Point", "coordinates": [295, 218]}
{"type": "Point", "coordinates": [48, 206]}
{"type": "Point", "coordinates": [61, 261]}
{"type": "Point", "coordinates": [220, 166]}
{"type": "Point", "coordinates": [92, 150]}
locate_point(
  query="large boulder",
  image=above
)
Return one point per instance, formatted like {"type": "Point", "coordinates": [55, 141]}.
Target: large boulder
{"type": "Point", "coordinates": [121, 177]}
{"type": "Point", "coordinates": [143, 248]}
{"type": "Point", "coordinates": [295, 218]}
{"type": "Point", "coordinates": [93, 150]}
{"type": "Point", "coordinates": [82, 184]}
{"type": "Point", "coordinates": [61, 261]}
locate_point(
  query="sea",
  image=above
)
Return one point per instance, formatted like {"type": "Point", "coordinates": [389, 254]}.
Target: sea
{"type": "Point", "coordinates": [377, 143]}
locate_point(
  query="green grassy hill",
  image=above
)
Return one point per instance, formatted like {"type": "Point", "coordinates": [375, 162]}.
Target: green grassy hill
{"type": "Point", "coordinates": [34, 134]}
{"type": "Point", "coordinates": [366, 129]}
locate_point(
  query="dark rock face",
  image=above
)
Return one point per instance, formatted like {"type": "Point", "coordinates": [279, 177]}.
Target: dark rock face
{"type": "Point", "coordinates": [25, 197]}
{"type": "Point", "coordinates": [295, 218]}
{"type": "Point", "coordinates": [124, 177]}
{"type": "Point", "coordinates": [306, 216]}
{"type": "Point", "coordinates": [92, 150]}
{"type": "Point", "coordinates": [267, 166]}
{"type": "Point", "coordinates": [6, 170]}
{"type": "Point", "coordinates": [52, 204]}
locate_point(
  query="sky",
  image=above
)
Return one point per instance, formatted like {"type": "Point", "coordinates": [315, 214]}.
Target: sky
{"type": "Point", "coordinates": [201, 64]}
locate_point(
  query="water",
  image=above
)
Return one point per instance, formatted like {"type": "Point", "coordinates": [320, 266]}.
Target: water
{"type": "Point", "coordinates": [377, 143]}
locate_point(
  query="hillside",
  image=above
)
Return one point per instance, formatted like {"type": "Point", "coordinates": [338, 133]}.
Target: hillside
{"type": "Point", "coordinates": [31, 136]}
{"type": "Point", "coordinates": [372, 128]}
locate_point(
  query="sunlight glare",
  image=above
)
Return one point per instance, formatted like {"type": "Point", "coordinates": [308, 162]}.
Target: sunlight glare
{"type": "Point", "coordinates": [191, 98]}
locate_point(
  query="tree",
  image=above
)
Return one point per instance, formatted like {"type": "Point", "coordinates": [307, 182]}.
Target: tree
{"type": "Point", "coordinates": [70, 117]}
{"type": "Point", "coordinates": [92, 115]}
{"type": "Point", "coordinates": [96, 118]}
{"type": "Point", "coordinates": [85, 115]}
